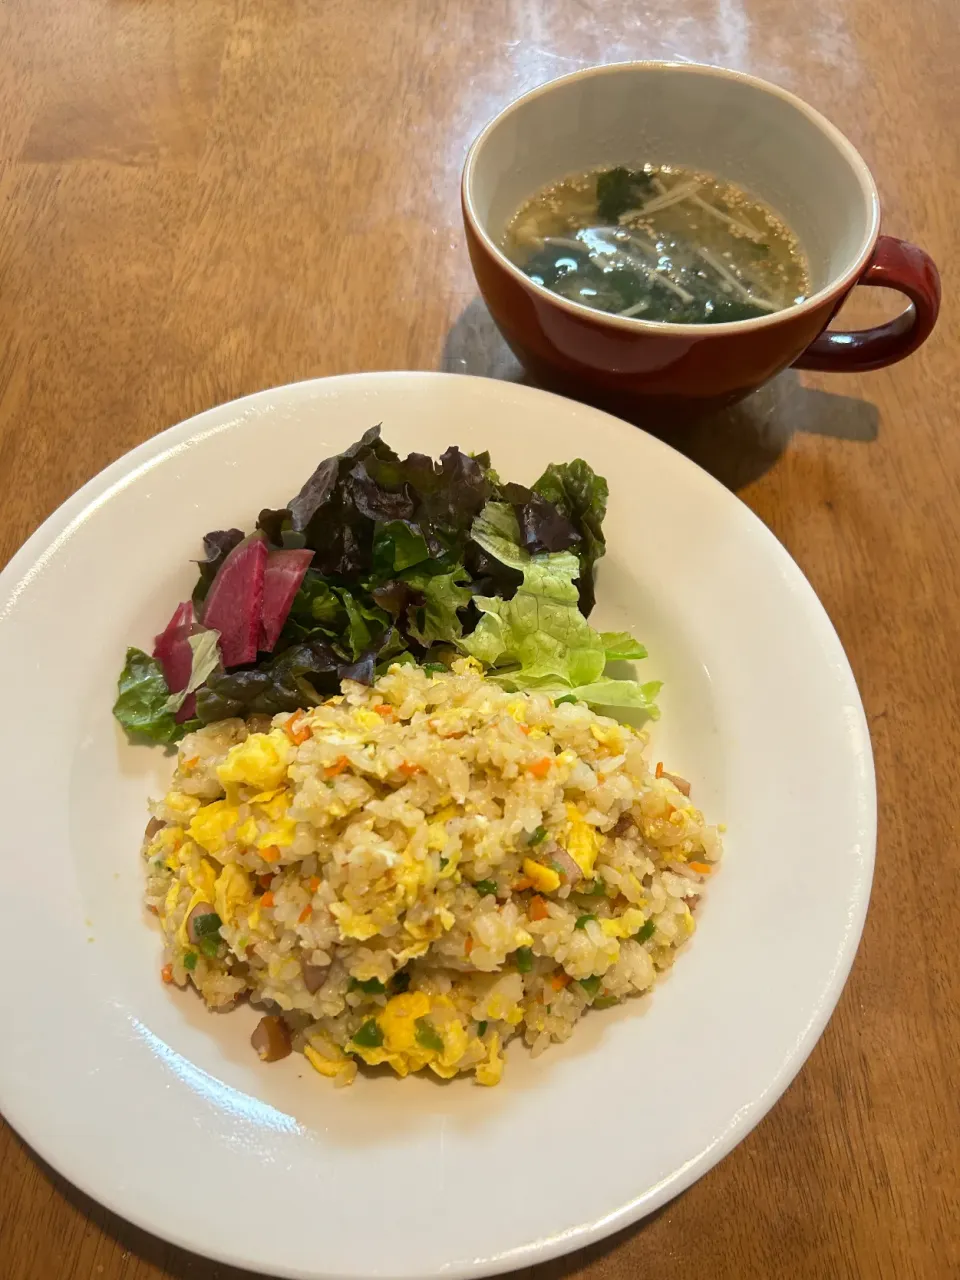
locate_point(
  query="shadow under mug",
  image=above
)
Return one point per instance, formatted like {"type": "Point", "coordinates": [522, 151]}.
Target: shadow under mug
{"type": "Point", "coordinates": [709, 119]}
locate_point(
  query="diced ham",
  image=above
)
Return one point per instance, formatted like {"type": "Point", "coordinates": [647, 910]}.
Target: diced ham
{"type": "Point", "coordinates": [314, 975]}
{"type": "Point", "coordinates": [281, 582]}
{"type": "Point", "coordinates": [569, 868]}
{"type": "Point", "coordinates": [234, 603]}
{"type": "Point", "coordinates": [624, 825]}
{"type": "Point", "coordinates": [682, 785]}
{"type": "Point", "coordinates": [271, 1039]}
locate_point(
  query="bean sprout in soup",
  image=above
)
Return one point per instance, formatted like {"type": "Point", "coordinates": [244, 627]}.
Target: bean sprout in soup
{"type": "Point", "coordinates": [659, 243]}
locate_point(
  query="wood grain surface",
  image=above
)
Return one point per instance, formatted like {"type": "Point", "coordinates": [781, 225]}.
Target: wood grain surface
{"type": "Point", "coordinates": [198, 200]}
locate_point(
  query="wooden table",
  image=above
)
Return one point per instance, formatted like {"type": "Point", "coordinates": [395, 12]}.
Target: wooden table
{"type": "Point", "coordinates": [200, 200]}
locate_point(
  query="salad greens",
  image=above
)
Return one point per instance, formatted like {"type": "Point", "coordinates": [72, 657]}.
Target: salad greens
{"type": "Point", "coordinates": [142, 694]}
{"type": "Point", "coordinates": [380, 559]}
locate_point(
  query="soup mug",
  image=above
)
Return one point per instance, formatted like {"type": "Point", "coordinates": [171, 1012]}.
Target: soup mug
{"type": "Point", "coordinates": [710, 119]}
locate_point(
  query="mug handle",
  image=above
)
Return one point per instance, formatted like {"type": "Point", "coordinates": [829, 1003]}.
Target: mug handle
{"type": "Point", "coordinates": [894, 264]}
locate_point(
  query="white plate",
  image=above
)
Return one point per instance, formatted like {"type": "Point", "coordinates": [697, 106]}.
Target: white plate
{"type": "Point", "coordinates": [162, 1111]}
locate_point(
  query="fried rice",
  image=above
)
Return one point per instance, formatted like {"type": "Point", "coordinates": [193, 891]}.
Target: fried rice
{"type": "Point", "coordinates": [415, 872]}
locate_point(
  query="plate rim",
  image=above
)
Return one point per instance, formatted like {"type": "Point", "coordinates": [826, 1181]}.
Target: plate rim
{"type": "Point", "coordinates": [55, 529]}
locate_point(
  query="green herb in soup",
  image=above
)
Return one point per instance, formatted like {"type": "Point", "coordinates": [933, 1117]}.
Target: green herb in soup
{"type": "Point", "coordinates": [658, 243]}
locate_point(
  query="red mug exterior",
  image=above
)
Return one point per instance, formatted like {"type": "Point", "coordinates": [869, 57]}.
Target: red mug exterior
{"type": "Point", "coordinates": [894, 264]}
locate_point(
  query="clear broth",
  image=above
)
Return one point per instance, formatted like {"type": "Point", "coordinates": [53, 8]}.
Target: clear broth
{"type": "Point", "coordinates": [660, 243]}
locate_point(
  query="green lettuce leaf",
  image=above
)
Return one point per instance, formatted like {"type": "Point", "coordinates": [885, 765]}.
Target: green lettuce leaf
{"type": "Point", "coordinates": [539, 639]}
{"type": "Point", "coordinates": [349, 618]}
{"type": "Point", "coordinates": [397, 546]}
{"type": "Point", "coordinates": [581, 495]}
{"type": "Point", "coordinates": [436, 620]}
{"type": "Point", "coordinates": [621, 646]}
{"type": "Point", "coordinates": [142, 695]}
{"type": "Point", "coordinates": [540, 631]}
{"type": "Point", "coordinates": [608, 692]}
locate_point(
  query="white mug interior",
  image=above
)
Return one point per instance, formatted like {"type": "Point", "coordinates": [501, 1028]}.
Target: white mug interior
{"type": "Point", "coordinates": [743, 129]}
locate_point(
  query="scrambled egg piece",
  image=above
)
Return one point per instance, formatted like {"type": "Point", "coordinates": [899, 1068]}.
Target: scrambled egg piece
{"type": "Point", "coordinates": [366, 719]}
{"type": "Point", "coordinates": [398, 1020]}
{"type": "Point", "coordinates": [210, 825]}
{"type": "Point", "coordinates": [232, 889]}
{"type": "Point", "coordinates": [364, 924]}
{"type": "Point", "coordinates": [182, 805]}
{"type": "Point", "coordinates": [336, 1066]}
{"type": "Point", "coordinates": [410, 1041]}
{"type": "Point", "coordinates": [204, 879]}
{"type": "Point", "coordinates": [544, 879]}
{"type": "Point", "coordinates": [624, 926]}
{"type": "Point", "coordinates": [261, 761]}
{"type": "Point", "coordinates": [582, 841]}
{"type": "Point", "coordinates": [275, 808]}
{"type": "Point", "coordinates": [490, 1072]}
{"type": "Point", "coordinates": [608, 735]}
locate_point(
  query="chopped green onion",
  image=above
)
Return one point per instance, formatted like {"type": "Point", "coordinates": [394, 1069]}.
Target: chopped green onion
{"type": "Point", "coordinates": [443, 862]}
{"type": "Point", "coordinates": [583, 921]}
{"type": "Point", "coordinates": [646, 930]}
{"type": "Point", "coordinates": [567, 697]}
{"type": "Point", "coordinates": [590, 985]}
{"type": "Point", "coordinates": [369, 986]}
{"type": "Point", "coordinates": [207, 925]}
{"type": "Point", "coordinates": [605, 1002]}
{"type": "Point", "coordinates": [538, 835]}
{"type": "Point", "coordinates": [561, 871]}
{"type": "Point", "coordinates": [595, 889]}
{"type": "Point", "coordinates": [400, 982]}
{"type": "Point", "coordinates": [427, 1036]}
{"type": "Point", "coordinates": [433, 668]}
{"type": "Point", "coordinates": [524, 959]}
{"type": "Point", "coordinates": [210, 945]}
{"type": "Point", "coordinates": [190, 961]}
{"type": "Point", "coordinates": [485, 887]}
{"type": "Point", "coordinates": [481, 1029]}
{"type": "Point", "coordinates": [369, 1036]}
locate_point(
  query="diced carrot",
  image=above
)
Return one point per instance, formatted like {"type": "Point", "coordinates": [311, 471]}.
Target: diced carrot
{"type": "Point", "coordinates": [468, 945]}
{"type": "Point", "coordinates": [410, 770]}
{"type": "Point", "coordinates": [153, 910]}
{"type": "Point", "coordinates": [701, 868]}
{"type": "Point", "coordinates": [267, 900]}
{"type": "Point", "coordinates": [384, 709]}
{"type": "Point", "coordinates": [305, 914]}
{"type": "Point", "coordinates": [541, 768]}
{"type": "Point", "coordinates": [166, 973]}
{"type": "Point", "coordinates": [337, 767]}
{"type": "Point", "coordinates": [270, 854]}
{"type": "Point", "coordinates": [192, 762]}
{"type": "Point", "coordinates": [314, 883]}
{"type": "Point", "coordinates": [538, 908]}
{"type": "Point", "coordinates": [265, 881]}
{"type": "Point", "coordinates": [296, 730]}
{"type": "Point", "coordinates": [525, 728]}
{"type": "Point", "coordinates": [560, 980]}
{"type": "Point", "coordinates": [521, 884]}
{"type": "Point", "coordinates": [659, 770]}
